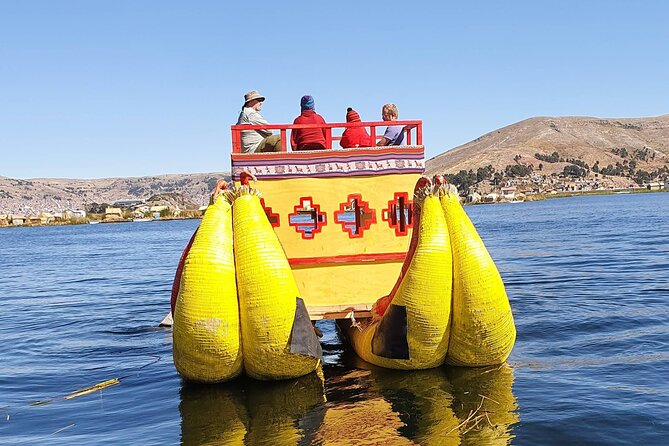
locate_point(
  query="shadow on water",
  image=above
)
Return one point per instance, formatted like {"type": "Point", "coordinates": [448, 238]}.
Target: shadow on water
{"type": "Point", "coordinates": [252, 412]}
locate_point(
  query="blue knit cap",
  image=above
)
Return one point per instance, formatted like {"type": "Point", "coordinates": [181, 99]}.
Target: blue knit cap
{"type": "Point", "coordinates": [307, 103]}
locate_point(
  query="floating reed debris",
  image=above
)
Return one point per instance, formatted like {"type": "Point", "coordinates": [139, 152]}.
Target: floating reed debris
{"type": "Point", "coordinates": [474, 417]}
{"type": "Point", "coordinates": [494, 369]}
{"type": "Point", "coordinates": [41, 403]}
{"type": "Point", "coordinates": [489, 399]}
{"type": "Point", "coordinates": [94, 388]}
{"type": "Point", "coordinates": [63, 428]}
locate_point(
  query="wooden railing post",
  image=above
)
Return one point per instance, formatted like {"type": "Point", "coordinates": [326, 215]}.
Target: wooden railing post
{"type": "Point", "coordinates": [328, 138]}
{"type": "Point", "coordinates": [284, 144]}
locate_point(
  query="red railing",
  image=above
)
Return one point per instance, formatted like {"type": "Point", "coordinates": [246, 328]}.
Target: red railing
{"type": "Point", "coordinates": [413, 131]}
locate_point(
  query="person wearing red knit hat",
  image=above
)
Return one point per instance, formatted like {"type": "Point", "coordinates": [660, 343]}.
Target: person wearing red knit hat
{"type": "Point", "coordinates": [354, 136]}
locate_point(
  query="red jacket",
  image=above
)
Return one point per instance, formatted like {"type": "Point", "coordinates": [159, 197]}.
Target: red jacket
{"type": "Point", "coordinates": [355, 137]}
{"type": "Point", "coordinates": [308, 139]}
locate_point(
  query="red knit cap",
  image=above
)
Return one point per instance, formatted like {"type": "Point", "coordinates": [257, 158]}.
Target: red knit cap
{"type": "Point", "coordinates": [352, 115]}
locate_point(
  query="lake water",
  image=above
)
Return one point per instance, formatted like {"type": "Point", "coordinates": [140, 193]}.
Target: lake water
{"type": "Point", "coordinates": [588, 280]}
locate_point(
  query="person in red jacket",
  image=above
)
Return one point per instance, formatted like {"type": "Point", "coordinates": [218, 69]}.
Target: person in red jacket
{"type": "Point", "coordinates": [308, 139]}
{"type": "Point", "coordinates": [354, 136]}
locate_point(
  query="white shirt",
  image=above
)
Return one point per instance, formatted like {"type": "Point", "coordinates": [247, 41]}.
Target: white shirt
{"type": "Point", "coordinates": [252, 138]}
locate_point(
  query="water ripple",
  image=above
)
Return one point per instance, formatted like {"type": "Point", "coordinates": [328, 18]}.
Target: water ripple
{"type": "Point", "coordinates": [586, 278]}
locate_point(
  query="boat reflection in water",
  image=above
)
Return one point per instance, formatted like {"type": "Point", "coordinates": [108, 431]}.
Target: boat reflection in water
{"type": "Point", "coordinates": [424, 403]}
{"type": "Point", "coordinates": [441, 406]}
{"type": "Point", "coordinates": [484, 403]}
{"type": "Point", "coordinates": [365, 405]}
{"type": "Point", "coordinates": [252, 412]}
{"type": "Point", "coordinates": [357, 414]}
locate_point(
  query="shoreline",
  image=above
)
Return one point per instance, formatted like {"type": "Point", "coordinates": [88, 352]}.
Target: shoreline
{"type": "Point", "coordinates": [593, 192]}
{"type": "Point", "coordinates": [542, 196]}
{"type": "Point", "coordinates": [528, 198]}
{"type": "Point", "coordinates": [93, 222]}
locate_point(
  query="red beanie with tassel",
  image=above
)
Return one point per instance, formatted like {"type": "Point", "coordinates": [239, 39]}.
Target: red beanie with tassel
{"type": "Point", "coordinates": [352, 115]}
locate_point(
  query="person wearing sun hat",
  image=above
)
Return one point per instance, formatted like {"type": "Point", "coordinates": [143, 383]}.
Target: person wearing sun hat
{"type": "Point", "coordinates": [256, 140]}
{"type": "Point", "coordinates": [354, 136]}
{"type": "Point", "coordinates": [308, 139]}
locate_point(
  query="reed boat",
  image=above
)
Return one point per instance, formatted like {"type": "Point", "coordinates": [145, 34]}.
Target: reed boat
{"type": "Point", "coordinates": [350, 234]}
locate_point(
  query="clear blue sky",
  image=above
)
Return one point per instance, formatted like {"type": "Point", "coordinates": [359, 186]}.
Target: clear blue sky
{"type": "Point", "coordinates": [92, 89]}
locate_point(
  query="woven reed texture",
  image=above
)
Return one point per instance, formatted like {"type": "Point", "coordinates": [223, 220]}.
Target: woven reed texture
{"type": "Point", "coordinates": [206, 340]}
{"type": "Point", "coordinates": [267, 296]}
{"type": "Point", "coordinates": [482, 331]}
{"type": "Point", "coordinates": [425, 291]}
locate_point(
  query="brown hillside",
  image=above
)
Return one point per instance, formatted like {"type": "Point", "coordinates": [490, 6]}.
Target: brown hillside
{"type": "Point", "coordinates": [584, 138]}
{"type": "Point", "coordinates": [59, 194]}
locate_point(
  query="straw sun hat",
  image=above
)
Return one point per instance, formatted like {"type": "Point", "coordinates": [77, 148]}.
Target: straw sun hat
{"type": "Point", "coordinates": [251, 95]}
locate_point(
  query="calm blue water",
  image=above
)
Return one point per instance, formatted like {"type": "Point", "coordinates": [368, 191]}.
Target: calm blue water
{"type": "Point", "coordinates": [588, 282]}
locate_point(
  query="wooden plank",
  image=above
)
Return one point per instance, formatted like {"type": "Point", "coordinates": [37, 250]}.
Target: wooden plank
{"type": "Point", "coordinates": [339, 311]}
{"type": "Point", "coordinates": [315, 313]}
{"type": "Point", "coordinates": [352, 258]}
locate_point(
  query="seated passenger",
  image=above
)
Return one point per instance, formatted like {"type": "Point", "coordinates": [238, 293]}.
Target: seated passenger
{"type": "Point", "coordinates": [308, 139]}
{"type": "Point", "coordinates": [394, 134]}
{"type": "Point", "coordinates": [354, 136]}
{"type": "Point", "coordinates": [256, 140]}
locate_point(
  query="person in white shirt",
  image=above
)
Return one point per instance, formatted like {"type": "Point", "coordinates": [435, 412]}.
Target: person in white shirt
{"type": "Point", "coordinates": [256, 140]}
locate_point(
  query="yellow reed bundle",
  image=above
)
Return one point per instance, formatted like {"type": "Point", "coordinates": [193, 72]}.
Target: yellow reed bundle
{"type": "Point", "coordinates": [424, 295]}
{"type": "Point", "coordinates": [482, 331]}
{"type": "Point", "coordinates": [206, 340]}
{"type": "Point", "coordinates": [267, 294]}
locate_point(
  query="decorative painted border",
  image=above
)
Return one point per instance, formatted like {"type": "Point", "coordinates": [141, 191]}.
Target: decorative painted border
{"type": "Point", "coordinates": [330, 163]}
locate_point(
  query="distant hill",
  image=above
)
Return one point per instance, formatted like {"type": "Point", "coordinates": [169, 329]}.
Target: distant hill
{"type": "Point", "coordinates": [620, 148]}
{"type": "Point", "coordinates": [188, 191]}
{"type": "Point", "coordinates": [589, 140]}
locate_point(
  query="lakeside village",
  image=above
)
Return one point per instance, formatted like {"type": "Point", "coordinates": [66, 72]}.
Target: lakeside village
{"type": "Point", "coordinates": [539, 187]}
{"type": "Point", "coordinates": [119, 212]}
{"type": "Point", "coordinates": [541, 177]}
{"type": "Point", "coordinates": [510, 190]}
{"type": "Point", "coordinates": [523, 181]}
